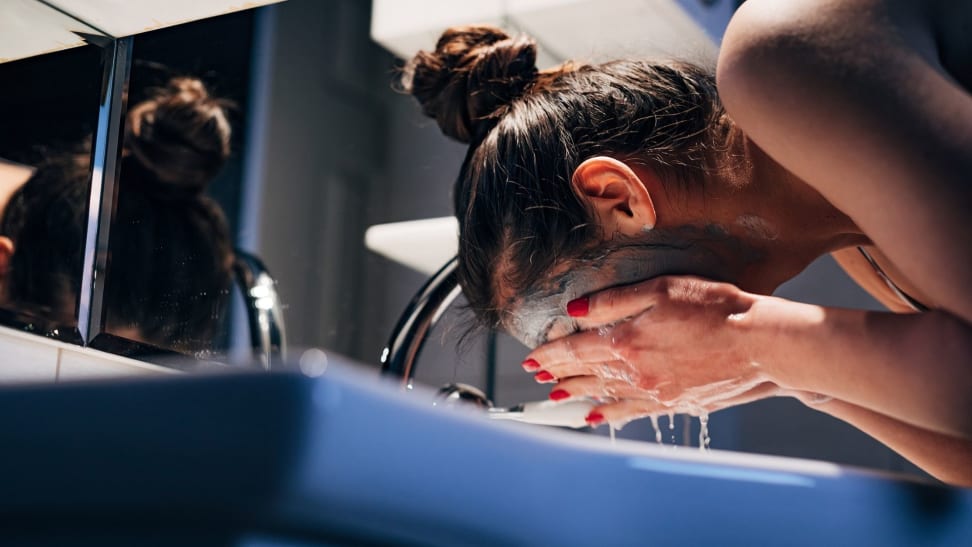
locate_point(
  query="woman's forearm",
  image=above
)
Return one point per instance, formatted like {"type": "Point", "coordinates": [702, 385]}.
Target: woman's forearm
{"type": "Point", "coordinates": [947, 458]}
{"type": "Point", "coordinates": [914, 368]}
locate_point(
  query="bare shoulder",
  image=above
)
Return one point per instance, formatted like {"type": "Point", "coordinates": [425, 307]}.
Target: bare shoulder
{"type": "Point", "coordinates": [866, 101]}
{"type": "Point", "coordinates": [783, 54]}
{"type": "Point", "coordinates": [792, 37]}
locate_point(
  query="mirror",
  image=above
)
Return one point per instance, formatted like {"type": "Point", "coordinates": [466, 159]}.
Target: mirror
{"type": "Point", "coordinates": [169, 275]}
{"type": "Point", "coordinates": [49, 103]}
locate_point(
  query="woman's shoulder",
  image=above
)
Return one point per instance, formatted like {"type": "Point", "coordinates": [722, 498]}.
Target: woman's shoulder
{"type": "Point", "coordinates": [771, 33]}
{"type": "Point", "coordinates": [852, 31]}
{"type": "Point", "coordinates": [865, 101]}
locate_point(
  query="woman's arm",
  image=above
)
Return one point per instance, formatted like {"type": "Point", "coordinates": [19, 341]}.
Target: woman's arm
{"type": "Point", "coordinates": [945, 457]}
{"type": "Point", "coordinates": [850, 96]}
{"type": "Point", "coordinates": [687, 343]}
{"type": "Point", "coordinates": [914, 368]}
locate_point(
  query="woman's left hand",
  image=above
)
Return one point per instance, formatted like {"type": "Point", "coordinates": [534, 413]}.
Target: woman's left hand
{"type": "Point", "coordinates": [673, 343]}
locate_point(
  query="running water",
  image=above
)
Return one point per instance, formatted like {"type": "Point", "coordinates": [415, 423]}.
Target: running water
{"type": "Point", "coordinates": [704, 432]}
{"type": "Point", "coordinates": [671, 425]}
{"type": "Point", "coordinates": [611, 430]}
{"type": "Point", "coordinates": [654, 425]}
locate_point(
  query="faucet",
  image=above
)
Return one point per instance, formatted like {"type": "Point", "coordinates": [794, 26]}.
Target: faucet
{"type": "Point", "coordinates": [422, 313]}
{"type": "Point", "coordinates": [399, 357]}
{"type": "Point", "coordinates": [264, 312]}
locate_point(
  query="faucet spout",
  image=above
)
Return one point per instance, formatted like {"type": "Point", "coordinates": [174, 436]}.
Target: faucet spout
{"type": "Point", "coordinates": [422, 313]}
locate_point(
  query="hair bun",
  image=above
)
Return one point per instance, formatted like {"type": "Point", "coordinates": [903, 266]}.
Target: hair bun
{"type": "Point", "coordinates": [473, 74]}
{"type": "Point", "coordinates": [180, 134]}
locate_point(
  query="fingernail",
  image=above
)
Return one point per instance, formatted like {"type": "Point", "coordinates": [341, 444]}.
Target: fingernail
{"type": "Point", "coordinates": [579, 307]}
{"type": "Point", "coordinates": [543, 377]}
{"type": "Point", "coordinates": [558, 394]}
{"type": "Point", "coordinates": [531, 365]}
{"type": "Point", "coordinates": [594, 418]}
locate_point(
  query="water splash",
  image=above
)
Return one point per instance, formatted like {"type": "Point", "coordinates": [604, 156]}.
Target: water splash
{"type": "Point", "coordinates": [654, 425]}
{"type": "Point", "coordinates": [671, 425]}
{"type": "Point", "coordinates": [704, 438]}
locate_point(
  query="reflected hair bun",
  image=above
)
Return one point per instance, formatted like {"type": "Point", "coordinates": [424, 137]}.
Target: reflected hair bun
{"type": "Point", "coordinates": [180, 135]}
{"type": "Point", "coordinates": [471, 78]}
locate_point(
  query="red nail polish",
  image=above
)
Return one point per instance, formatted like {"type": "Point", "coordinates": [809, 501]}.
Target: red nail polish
{"type": "Point", "coordinates": [594, 418]}
{"type": "Point", "coordinates": [558, 394]}
{"type": "Point", "coordinates": [531, 365]}
{"type": "Point", "coordinates": [543, 376]}
{"type": "Point", "coordinates": [579, 307]}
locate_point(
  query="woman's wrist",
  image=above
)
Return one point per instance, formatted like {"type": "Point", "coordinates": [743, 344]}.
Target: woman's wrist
{"type": "Point", "coordinates": [781, 334]}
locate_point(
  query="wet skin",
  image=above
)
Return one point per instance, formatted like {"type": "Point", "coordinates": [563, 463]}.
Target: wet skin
{"type": "Point", "coordinates": [709, 251]}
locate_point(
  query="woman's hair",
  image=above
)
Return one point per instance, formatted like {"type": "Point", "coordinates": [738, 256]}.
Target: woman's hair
{"type": "Point", "coordinates": [170, 251]}
{"type": "Point", "coordinates": [528, 130]}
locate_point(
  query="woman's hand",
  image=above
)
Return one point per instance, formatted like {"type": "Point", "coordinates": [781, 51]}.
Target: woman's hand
{"type": "Point", "coordinates": [667, 344]}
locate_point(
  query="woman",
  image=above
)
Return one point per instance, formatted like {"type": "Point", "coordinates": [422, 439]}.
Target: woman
{"type": "Point", "coordinates": [626, 224]}
{"type": "Point", "coordinates": [171, 253]}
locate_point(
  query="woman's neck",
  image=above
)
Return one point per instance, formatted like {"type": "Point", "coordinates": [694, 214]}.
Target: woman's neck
{"type": "Point", "coordinates": [768, 208]}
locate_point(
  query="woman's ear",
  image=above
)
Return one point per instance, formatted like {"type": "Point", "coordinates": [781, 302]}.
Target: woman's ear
{"type": "Point", "coordinates": [617, 195]}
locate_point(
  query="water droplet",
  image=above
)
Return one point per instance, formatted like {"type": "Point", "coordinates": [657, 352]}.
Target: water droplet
{"type": "Point", "coordinates": [654, 425]}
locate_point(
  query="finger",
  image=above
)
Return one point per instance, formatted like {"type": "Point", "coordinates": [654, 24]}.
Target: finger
{"type": "Point", "coordinates": [612, 305]}
{"type": "Point", "coordinates": [611, 370]}
{"type": "Point", "coordinates": [619, 413]}
{"type": "Point", "coordinates": [586, 346]}
{"type": "Point", "coordinates": [596, 387]}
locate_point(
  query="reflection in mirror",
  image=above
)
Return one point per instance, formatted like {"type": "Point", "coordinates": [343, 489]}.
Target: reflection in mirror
{"type": "Point", "coordinates": [169, 276]}
{"type": "Point", "coordinates": [49, 107]}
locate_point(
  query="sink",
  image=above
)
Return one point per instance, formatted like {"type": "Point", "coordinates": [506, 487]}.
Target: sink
{"type": "Point", "coordinates": [348, 457]}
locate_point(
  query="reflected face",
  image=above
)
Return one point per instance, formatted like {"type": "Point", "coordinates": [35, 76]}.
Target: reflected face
{"type": "Point", "coordinates": [540, 315]}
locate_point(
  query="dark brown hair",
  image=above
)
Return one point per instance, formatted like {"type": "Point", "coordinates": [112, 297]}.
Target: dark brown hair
{"type": "Point", "coordinates": [170, 251]}
{"type": "Point", "coordinates": [528, 131]}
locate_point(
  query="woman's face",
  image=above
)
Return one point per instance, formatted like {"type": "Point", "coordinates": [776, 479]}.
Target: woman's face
{"type": "Point", "coordinates": [539, 314]}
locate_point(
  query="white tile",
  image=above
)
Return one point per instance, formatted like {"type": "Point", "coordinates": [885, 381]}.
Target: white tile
{"type": "Point", "coordinates": [26, 358]}
{"type": "Point", "coordinates": [85, 363]}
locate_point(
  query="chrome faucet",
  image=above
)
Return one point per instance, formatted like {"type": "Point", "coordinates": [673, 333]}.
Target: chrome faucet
{"type": "Point", "coordinates": [264, 311]}
{"type": "Point", "coordinates": [399, 357]}
{"type": "Point", "coordinates": [422, 313]}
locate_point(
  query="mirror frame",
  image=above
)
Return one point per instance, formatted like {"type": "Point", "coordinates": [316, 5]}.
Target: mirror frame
{"type": "Point", "coordinates": [105, 156]}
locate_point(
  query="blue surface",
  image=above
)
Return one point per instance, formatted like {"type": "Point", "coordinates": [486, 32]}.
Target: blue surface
{"type": "Point", "coordinates": [346, 459]}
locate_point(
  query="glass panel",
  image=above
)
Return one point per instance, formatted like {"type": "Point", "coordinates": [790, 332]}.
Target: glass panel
{"type": "Point", "coordinates": [49, 107]}
{"type": "Point", "coordinates": [169, 276]}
